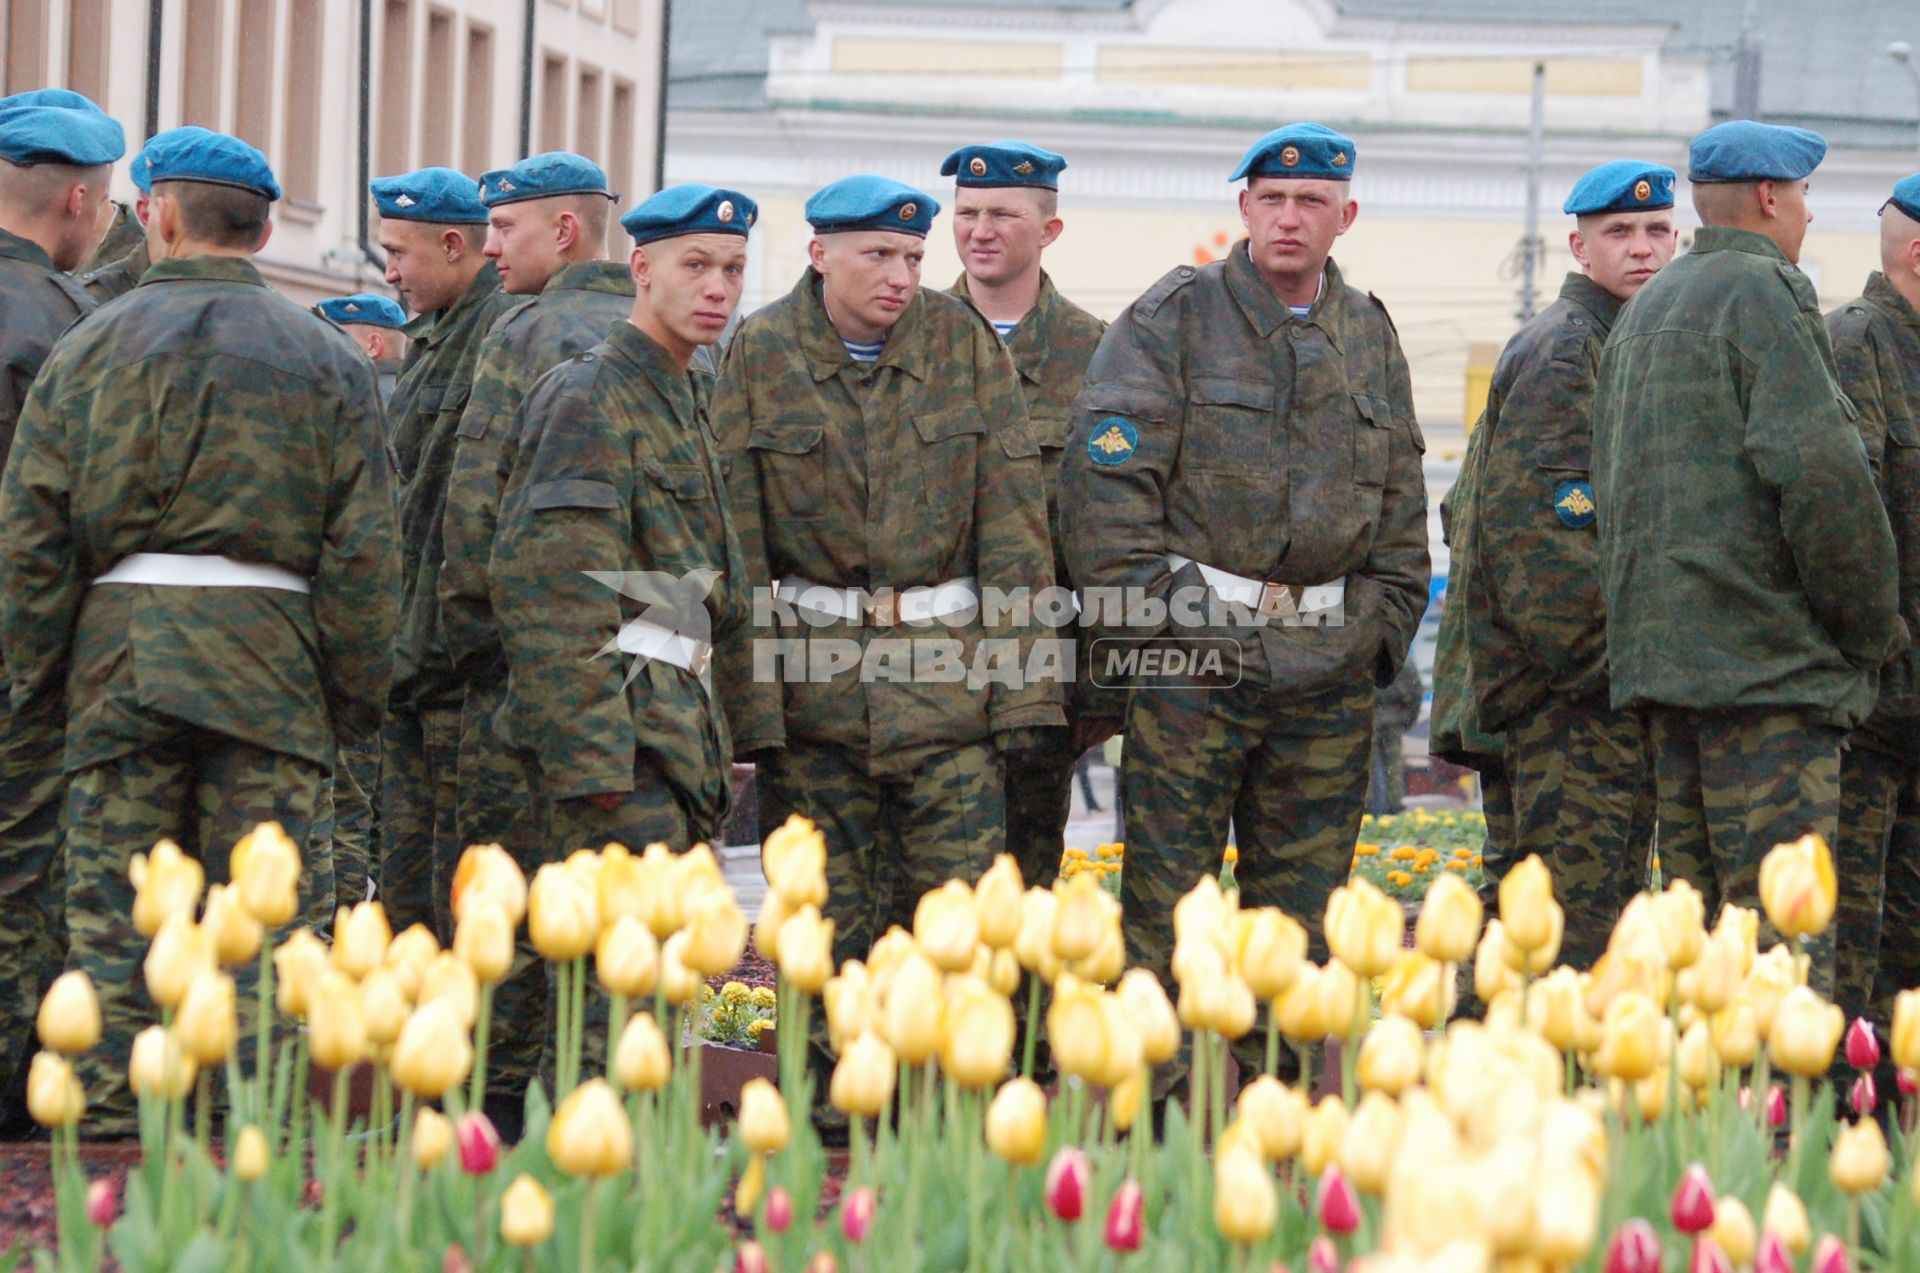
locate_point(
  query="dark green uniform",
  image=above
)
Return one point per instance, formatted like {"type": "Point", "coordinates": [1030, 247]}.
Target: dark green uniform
{"type": "Point", "coordinates": [122, 237]}
{"type": "Point", "coordinates": [117, 277]}
{"type": "Point", "coordinates": [1748, 572]}
{"type": "Point", "coordinates": [1581, 769]}
{"type": "Point", "coordinates": [1051, 348]}
{"type": "Point", "coordinates": [419, 738]}
{"type": "Point", "coordinates": [39, 303]}
{"type": "Point", "coordinates": [1876, 348]}
{"type": "Point", "coordinates": [1218, 426]}
{"type": "Point", "coordinates": [1395, 710]}
{"type": "Point", "coordinates": [202, 417]}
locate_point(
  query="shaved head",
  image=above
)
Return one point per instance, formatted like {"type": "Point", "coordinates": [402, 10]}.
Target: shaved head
{"type": "Point", "coordinates": [54, 205]}
{"type": "Point", "coordinates": [1897, 233]}
{"type": "Point", "coordinates": [1775, 209]}
{"type": "Point", "coordinates": [39, 186]}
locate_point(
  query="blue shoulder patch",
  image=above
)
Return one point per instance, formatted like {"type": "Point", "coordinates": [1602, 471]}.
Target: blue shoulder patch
{"type": "Point", "coordinates": [1113, 440]}
{"type": "Point", "coordinates": [1573, 504]}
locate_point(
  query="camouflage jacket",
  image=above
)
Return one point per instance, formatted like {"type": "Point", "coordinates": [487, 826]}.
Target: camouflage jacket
{"type": "Point", "coordinates": [1876, 347]}
{"type": "Point", "coordinates": [1455, 733]}
{"type": "Point", "coordinates": [422, 417]}
{"type": "Point", "coordinates": [386, 378]}
{"type": "Point", "coordinates": [1536, 622]}
{"type": "Point", "coordinates": [904, 473]}
{"type": "Point", "coordinates": [123, 236]}
{"type": "Point", "coordinates": [201, 415]}
{"type": "Point", "coordinates": [1216, 425]}
{"type": "Point", "coordinates": [572, 315]}
{"type": "Point", "coordinates": [619, 473]}
{"type": "Point", "coordinates": [40, 303]}
{"type": "Point", "coordinates": [1745, 556]}
{"type": "Point", "coordinates": [117, 277]}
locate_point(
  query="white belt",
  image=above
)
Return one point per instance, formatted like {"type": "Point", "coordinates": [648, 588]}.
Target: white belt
{"type": "Point", "coordinates": [885, 607]}
{"type": "Point", "coordinates": [650, 640]}
{"type": "Point", "coordinates": [1274, 600]}
{"type": "Point", "coordinates": [191, 570]}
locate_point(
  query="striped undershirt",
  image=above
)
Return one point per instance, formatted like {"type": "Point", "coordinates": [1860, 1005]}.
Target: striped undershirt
{"type": "Point", "coordinates": [864, 350]}
{"type": "Point", "coordinates": [1301, 311]}
{"type": "Point", "coordinates": [1005, 329]}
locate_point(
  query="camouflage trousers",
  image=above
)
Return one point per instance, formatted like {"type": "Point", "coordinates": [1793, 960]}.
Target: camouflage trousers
{"type": "Point", "coordinates": [344, 826]}
{"type": "Point", "coordinates": [650, 813]}
{"type": "Point", "coordinates": [1039, 802]}
{"type": "Point", "coordinates": [204, 791]}
{"type": "Point", "coordinates": [1877, 788]}
{"type": "Point", "coordinates": [1731, 785]}
{"type": "Point", "coordinates": [1898, 965]}
{"type": "Point", "coordinates": [419, 843]}
{"type": "Point", "coordinates": [1583, 795]}
{"type": "Point", "coordinates": [1287, 772]}
{"type": "Point", "coordinates": [33, 936]}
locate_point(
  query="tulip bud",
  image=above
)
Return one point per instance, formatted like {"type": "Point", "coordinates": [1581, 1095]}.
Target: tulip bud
{"type": "Point", "coordinates": [487, 870]}
{"type": "Point", "coordinates": [804, 950]}
{"type": "Point", "coordinates": [432, 1054]}
{"type": "Point", "coordinates": [862, 1082]}
{"type": "Point", "coordinates": [526, 1213]}
{"type": "Point", "coordinates": [563, 913]}
{"type": "Point", "coordinates": [679, 984]}
{"type": "Point", "coordinates": [336, 1028]}
{"type": "Point", "coordinates": [1449, 922]}
{"type": "Point", "coordinates": [914, 1006]}
{"type": "Point", "coordinates": [236, 933]}
{"type": "Point", "coordinates": [1066, 1184]}
{"type": "Point", "coordinates": [249, 1155]}
{"type": "Point", "coordinates": [947, 926]}
{"type": "Point", "coordinates": [1321, 1139]}
{"type": "Point", "coordinates": [479, 1143]}
{"type": "Point", "coordinates": [1693, 1201]}
{"type": "Point", "coordinates": [641, 1062]}
{"type": "Point", "coordinates": [103, 1203]}
{"type": "Point", "coordinates": [1123, 1102]}
{"type": "Point", "coordinates": [1830, 1256]}
{"type": "Point", "coordinates": [1525, 896]}
{"type": "Point", "coordinates": [1635, 1249]}
{"type": "Point", "coordinates": [1863, 1046]}
{"type": "Point", "coordinates": [1336, 1204]}
{"type": "Point", "coordinates": [1632, 1036]}
{"type": "Point", "coordinates": [158, 1066]}
{"type": "Point", "coordinates": [1245, 1204]}
{"type": "Point", "coordinates": [54, 1095]}
{"type": "Point", "coordinates": [360, 939]}
{"type": "Point", "coordinates": [1017, 1122]}
{"type": "Point", "coordinates": [1805, 1032]}
{"type": "Point", "coordinates": [1566, 1216]}
{"type": "Point", "coordinates": [1371, 1142]}
{"type": "Point", "coordinates": [763, 1117]}
{"type": "Point", "coordinates": [69, 1019]}
{"type": "Point", "coordinates": [1772, 1256]}
{"type": "Point", "coordinates": [180, 952]}
{"type": "Point", "coordinates": [1733, 1231]}
{"type": "Point", "coordinates": [1776, 1107]}
{"type": "Point", "coordinates": [1272, 948]}
{"type": "Point", "coordinates": [1323, 1256]}
{"type": "Point", "coordinates": [1081, 918]}
{"type": "Point", "coordinates": [716, 932]}
{"type": "Point", "coordinates": [265, 867]}
{"type": "Point", "coordinates": [750, 1258]}
{"type": "Point", "coordinates": [298, 964]}
{"type": "Point", "coordinates": [206, 1023]}
{"type": "Point", "coordinates": [1277, 1115]}
{"type": "Point", "coordinates": [1127, 1219]}
{"type": "Point", "coordinates": [166, 883]}
{"type": "Point", "coordinates": [794, 861]}
{"type": "Point", "coordinates": [976, 1034]}
{"type": "Point", "coordinates": [1798, 887]}
{"type": "Point", "coordinates": [1708, 1257]}
{"type": "Point", "coordinates": [1865, 1097]}
{"type": "Point", "coordinates": [1341, 1000]}
{"type": "Point", "coordinates": [1491, 975]}
{"type": "Point", "coordinates": [1735, 1037]}
{"type": "Point", "coordinates": [1391, 1056]}
{"type": "Point", "coordinates": [849, 1001]}
{"type": "Point", "coordinates": [1033, 942]}
{"type": "Point", "coordinates": [1785, 1217]}
{"type": "Point", "coordinates": [1699, 1064]}
{"type": "Point", "coordinates": [1364, 927]}
{"type": "Point", "coordinates": [997, 902]}
{"type": "Point", "coordinates": [483, 940]}
{"type": "Point", "coordinates": [432, 1138]}
{"type": "Point", "coordinates": [1681, 915]}
{"type": "Point", "coordinates": [590, 1134]}
{"type": "Point", "coordinates": [1860, 1158]}
{"type": "Point", "coordinates": [1907, 1082]}
{"type": "Point", "coordinates": [1153, 1016]}
{"type": "Point", "coordinates": [856, 1214]}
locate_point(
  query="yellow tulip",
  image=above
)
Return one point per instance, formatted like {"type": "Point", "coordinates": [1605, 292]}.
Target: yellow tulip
{"type": "Point", "coordinates": [265, 867]}
{"type": "Point", "coordinates": [1632, 1038]}
{"type": "Point", "coordinates": [849, 1001]}
{"type": "Point", "coordinates": [1320, 1140]}
{"type": "Point", "coordinates": [1123, 1102]}
{"type": "Point", "coordinates": [487, 870]}
{"type": "Point", "coordinates": [408, 957]}
{"type": "Point", "coordinates": [1771, 977]}
{"type": "Point", "coordinates": [1371, 1142]}
{"type": "Point", "coordinates": [794, 860]}
{"type": "Point", "coordinates": [336, 1028]}
{"type": "Point", "coordinates": [763, 1117]}
{"type": "Point", "coordinates": [249, 1155]}
{"type": "Point", "coordinates": [1108, 960]}
{"type": "Point", "coordinates": [1526, 896]}
{"type": "Point", "coordinates": [716, 932]}
{"type": "Point", "coordinates": [206, 1024]}
{"type": "Point", "coordinates": [181, 951]}
{"type": "Point", "coordinates": [526, 1213]}
{"type": "Point", "coordinates": [976, 1034]}
{"type": "Point", "coordinates": [1903, 1040]}
{"type": "Point", "coordinates": [627, 958]}
{"type": "Point", "coordinates": [1033, 942]}
{"type": "Point", "coordinates": [1681, 914]}
{"type": "Point", "coordinates": [1566, 1216]}
{"type": "Point", "coordinates": [1798, 887]}
{"type": "Point", "coordinates": [1555, 1008]}
{"type": "Point", "coordinates": [1272, 946]}
{"type": "Point", "coordinates": [590, 1134]}
{"type": "Point", "coordinates": [158, 1066]}
{"type": "Point", "coordinates": [1364, 927]}
{"type": "Point", "coordinates": [483, 939]}
{"type": "Point", "coordinates": [1416, 990]}
{"type": "Point", "coordinates": [1733, 1230]}
{"type": "Point", "coordinates": [385, 1007]}
{"type": "Point", "coordinates": [806, 950]}
{"type": "Point", "coordinates": [563, 914]}
{"type": "Point", "coordinates": [1735, 1036]}
{"type": "Point", "coordinates": [1077, 1029]}
{"type": "Point", "coordinates": [433, 1054]}
{"type": "Point", "coordinates": [360, 939]}
{"type": "Point", "coordinates": [54, 1095]}
{"type": "Point", "coordinates": [298, 964]}
{"type": "Point", "coordinates": [1711, 983]}
{"type": "Point", "coordinates": [1449, 923]}
{"type": "Point", "coordinates": [1699, 1063]}
{"type": "Point", "coordinates": [913, 1009]}
{"type": "Point", "coordinates": [1342, 1002]}
{"type": "Point", "coordinates": [997, 900]}
{"type": "Point", "coordinates": [1300, 1017]}
{"type": "Point", "coordinates": [659, 892]}
{"type": "Point", "coordinates": [1205, 910]}
{"type": "Point", "coordinates": [947, 926]}
{"type": "Point", "coordinates": [1739, 928]}
{"type": "Point", "coordinates": [1785, 1216]}
{"type": "Point", "coordinates": [767, 924]}
{"type": "Point", "coordinates": [998, 968]}
{"type": "Point", "coordinates": [432, 1138]}
{"type": "Point", "coordinates": [1860, 1158]}
{"type": "Point", "coordinates": [679, 984]}
{"type": "Point", "coordinates": [236, 933]}
{"type": "Point", "coordinates": [641, 1061]}
{"type": "Point", "coordinates": [887, 957]}
{"type": "Point", "coordinates": [69, 1019]}
{"type": "Point", "coordinates": [449, 978]}
{"type": "Point", "coordinates": [1391, 1056]}
{"type": "Point", "coordinates": [1491, 975]}
{"type": "Point", "coordinates": [1539, 959]}
{"type": "Point", "coordinates": [1153, 1017]}
{"type": "Point", "coordinates": [1017, 1122]}
{"type": "Point", "coordinates": [1276, 1114]}
{"type": "Point", "coordinates": [1081, 920]}
{"type": "Point", "coordinates": [1124, 1054]}
{"type": "Point", "coordinates": [1805, 1032]}
{"type": "Point", "coordinates": [862, 1082]}
{"type": "Point", "coordinates": [1245, 1203]}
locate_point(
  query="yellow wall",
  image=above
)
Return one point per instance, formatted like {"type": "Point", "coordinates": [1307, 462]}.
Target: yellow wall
{"type": "Point", "coordinates": [1578, 77]}
{"type": "Point", "coordinates": [1233, 68]}
{"type": "Point", "coordinates": [873, 55]}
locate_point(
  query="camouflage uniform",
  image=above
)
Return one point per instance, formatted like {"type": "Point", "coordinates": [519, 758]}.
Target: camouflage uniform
{"type": "Point", "coordinates": [39, 303]}
{"type": "Point", "coordinates": [1876, 349]}
{"type": "Point", "coordinates": [1216, 425]}
{"type": "Point", "coordinates": [1395, 710]}
{"type": "Point", "coordinates": [122, 237]}
{"type": "Point", "coordinates": [1581, 770]}
{"type": "Point", "coordinates": [419, 738]}
{"type": "Point", "coordinates": [1748, 572]}
{"type": "Point", "coordinates": [193, 711]}
{"type": "Point", "coordinates": [1051, 348]}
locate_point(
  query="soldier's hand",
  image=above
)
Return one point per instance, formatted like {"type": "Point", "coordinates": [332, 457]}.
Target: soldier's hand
{"type": "Point", "coordinates": [605, 801]}
{"type": "Point", "coordinates": [1091, 731]}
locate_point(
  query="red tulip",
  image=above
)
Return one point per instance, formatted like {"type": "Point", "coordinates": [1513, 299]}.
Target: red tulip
{"type": "Point", "coordinates": [1635, 1249]}
{"type": "Point", "coordinates": [103, 1203]}
{"type": "Point", "coordinates": [1127, 1218]}
{"type": "Point", "coordinates": [456, 1260]}
{"type": "Point", "coordinates": [1708, 1257]}
{"type": "Point", "coordinates": [1066, 1187]}
{"type": "Point", "coordinates": [750, 1259]}
{"type": "Point", "coordinates": [479, 1143]}
{"type": "Point", "coordinates": [1773, 1256]}
{"type": "Point", "coordinates": [1907, 1083]}
{"type": "Point", "coordinates": [1830, 1256]}
{"type": "Point", "coordinates": [1776, 1107]}
{"type": "Point", "coordinates": [1323, 1256]}
{"type": "Point", "coordinates": [1863, 1046]}
{"type": "Point", "coordinates": [1865, 1096]}
{"type": "Point", "coordinates": [779, 1210]}
{"type": "Point", "coordinates": [1693, 1201]}
{"type": "Point", "coordinates": [1338, 1204]}
{"type": "Point", "coordinates": [856, 1215]}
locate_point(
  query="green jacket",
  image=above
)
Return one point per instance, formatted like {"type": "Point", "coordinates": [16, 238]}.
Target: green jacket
{"type": "Point", "coordinates": [40, 303]}
{"type": "Point", "coordinates": [1876, 347]}
{"type": "Point", "coordinates": [1455, 733]}
{"type": "Point", "coordinates": [573, 314]}
{"type": "Point", "coordinates": [1745, 556]}
{"type": "Point", "coordinates": [115, 278]}
{"type": "Point", "coordinates": [1275, 448]}
{"type": "Point", "coordinates": [1536, 622]}
{"type": "Point", "coordinates": [904, 473]}
{"type": "Point", "coordinates": [123, 236]}
{"type": "Point", "coordinates": [422, 417]}
{"type": "Point", "coordinates": [619, 474]}
{"type": "Point", "coordinates": [204, 415]}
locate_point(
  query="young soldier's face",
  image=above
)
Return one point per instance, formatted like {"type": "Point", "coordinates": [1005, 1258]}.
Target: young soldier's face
{"type": "Point", "coordinates": [527, 241]}
{"type": "Point", "coordinates": [1620, 251]}
{"type": "Point", "coordinates": [692, 283]}
{"type": "Point", "coordinates": [422, 262]}
{"type": "Point", "coordinates": [999, 232]}
{"type": "Point", "coordinates": [1292, 222]}
{"type": "Point", "coordinates": [1792, 216]}
{"type": "Point", "coordinates": [868, 278]}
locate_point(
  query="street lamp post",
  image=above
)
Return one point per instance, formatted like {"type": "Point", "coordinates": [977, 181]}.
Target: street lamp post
{"type": "Point", "coordinates": [1902, 52]}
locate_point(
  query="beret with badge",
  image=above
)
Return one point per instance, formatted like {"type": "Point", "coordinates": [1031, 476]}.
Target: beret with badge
{"type": "Point", "coordinates": [1299, 150]}
{"type": "Point", "coordinates": [437, 196]}
{"type": "Point", "coordinates": [690, 209]}
{"type": "Point", "coordinates": [56, 126]}
{"type": "Point", "coordinates": [1625, 185]}
{"type": "Point", "coordinates": [544, 176]}
{"type": "Point", "coordinates": [367, 309]}
{"type": "Point", "coordinates": [996, 164]}
{"type": "Point", "coordinates": [871, 203]}
{"type": "Point", "coordinates": [1747, 150]}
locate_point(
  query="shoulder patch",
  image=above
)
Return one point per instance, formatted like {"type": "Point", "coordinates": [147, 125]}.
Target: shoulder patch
{"type": "Point", "coordinates": [1113, 441]}
{"type": "Point", "coordinates": [1573, 504]}
{"type": "Point", "coordinates": [1154, 297]}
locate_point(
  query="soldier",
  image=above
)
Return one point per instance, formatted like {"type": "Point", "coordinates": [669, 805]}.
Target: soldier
{"type": "Point", "coordinates": [1876, 348]}
{"type": "Point", "coordinates": [200, 549]}
{"type": "Point", "coordinates": [1747, 569]}
{"type": "Point", "coordinates": [1536, 623]}
{"type": "Point", "coordinates": [883, 472]}
{"type": "Point", "coordinates": [121, 230]}
{"type": "Point", "coordinates": [1005, 214]}
{"type": "Point", "coordinates": [55, 151]}
{"type": "Point", "coordinates": [378, 325]}
{"type": "Point", "coordinates": [432, 231]}
{"type": "Point", "coordinates": [110, 277]}
{"type": "Point", "coordinates": [617, 491]}
{"type": "Point", "coordinates": [1245, 448]}
{"type": "Point", "coordinates": [1395, 711]}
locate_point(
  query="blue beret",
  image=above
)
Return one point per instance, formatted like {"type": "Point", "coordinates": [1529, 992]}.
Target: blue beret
{"type": "Point", "coordinates": [54, 126]}
{"type": "Point", "coordinates": [1906, 196]}
{"type": "Point", "coordinates": [368, 309]}
{"type": "Point", "coordinates": [556, 172]}
{"type": "Point", "coordinates": [143, 162]}
{"type": "Point", "coordinates": [213, 159]}
{"type": "Point", "coordinates": [871, 203]}
{"type": "Point", "coordinates": [1625, 185]}
{"type": "Point", "coordinates": [438, 196]}
{"type": "Point", "coordinates": [690, 209]}
{"type": "Point", "coordinates": [1299, 150]}
{"type": "Point", "coordinates": [1004, 163]}
{"type": "Point", "coordinates": [1746, 150]}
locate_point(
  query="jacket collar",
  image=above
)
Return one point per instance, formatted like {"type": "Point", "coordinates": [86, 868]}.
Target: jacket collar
{"type": "Point", "coordinates": [826, 353]}
{"type": "Point", "coordinates": [436, 327]}
{"type": "Point", "coordinates": [1268, 313]}
{"type": "Point", "coordinates": [1725, 238]}
{"type": "Point", "coordinates": [1884, 295]}
{"type": "Point", "coordinates": [218, 269]}
{"type": "Point", "coordinates": [1580, 290]}
{"type": "Point", "coordinates": [15, 248]}
{"type": "Point", "coordinates": [591, 276]}
{"type": "Point", "coordinates": [641, 354]}
{"type": "Point", "coordinates": [1032, 339]}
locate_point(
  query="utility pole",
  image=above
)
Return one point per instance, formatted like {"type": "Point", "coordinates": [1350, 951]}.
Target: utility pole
{"type": "Point", "coordinates": [1530, 246]}
{"type": "Point", "coordinates": [1746, 65]}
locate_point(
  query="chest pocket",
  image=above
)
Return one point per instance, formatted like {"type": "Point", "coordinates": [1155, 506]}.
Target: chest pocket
{"type": "Point", "coordinates": [1229, 427]}
{"type": "Point", "coordinates": [682, 481]}
{"type": "Point", "coordinates": [1372, 441]}
{"type": "Point", "coordinates": [431, 409]}
{"type": "Point", "coordinates": [792, 467]}
{"type": "Point", "coordinates": [1049, 428]}
{"type": "Point", "coordinates": [947, 456]}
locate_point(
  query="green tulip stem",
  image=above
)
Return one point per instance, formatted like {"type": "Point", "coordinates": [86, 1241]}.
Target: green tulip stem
{"type": "Point", "coordinates": [263, 1041]}
{"type": "Point", "coordinates": [1217, 1086]}
{"type": "Point", "coordinates": [1273, 1038]}
{"type": "Point", "coordinates": [203, 1108]}
{"type": "Point", "coordinates": [482, 1034]}
{"type": "Point", "coordinates": [562, 1030]}
{"type": "Point", "coordinates": [618, 1011]}
{"type": "Point", "coordinates": [976, 1147]}
{"type": "Point", "coordinates": [1672, 1111]}
{"type": "Point", "coordinates": [1797, 1133]}
{"type": "Point", "coordinates": [857, 1151]}
{"type": "Point", "coordinates": [587, 1225]}
{"type": "Point", "coordinates": [336, 1139]}
{"type": "Point", "coordinates": [1033, 1024]}
{"type": "Point", "coordinates": [1853, 1228]}
{"type": "Point", "coordinates": [1762, 1089]}
{"type": "Point", "coordinates": [1305, 1054]}
{"type": "Point", "coordinates": [1199, 1068]}
{"type": "Point", "coordinates": [403, 1156]}
{"type": "Point", "coordinates": [579, 1018]}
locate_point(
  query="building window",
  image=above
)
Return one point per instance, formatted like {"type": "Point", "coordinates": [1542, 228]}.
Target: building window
{"type": "Point", "coordinates": [553, 102]}
{"type": "Point", "coordinates": [87, 47]}
{"type": "Point", "coordinates": [626, 15]}
{"type": "Point", "coordinates": [586, 115]}
{"type": "Point", "coordinates": [476, 142]}
{"type": "Point", "coordinates": [300, 162]}
{"type": "Point", "coordinates": [26, 45]}
{"type": "Point", "coordinates": [253, 74]}
{"type": "Point", "coordinates": [200, 82]}
{"type": "Point", "coordinates": [394, 123]}
{"type": "Point", "coordinates": [436, 123]}
{"type": "Point", "coordinates": [620, 164]}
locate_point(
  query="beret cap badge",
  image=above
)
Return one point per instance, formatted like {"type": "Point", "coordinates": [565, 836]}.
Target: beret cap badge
{"type": "Point", "coordinates": [977, 166]}
{"type": "Point", "coordinates": [1290, 156]}
{"type": "Point", "coordinates": [724, 211]}
{"type": "Point", "coordinates": [1643, 190]}
{"type": "Point", "coordinates": [908, 211]}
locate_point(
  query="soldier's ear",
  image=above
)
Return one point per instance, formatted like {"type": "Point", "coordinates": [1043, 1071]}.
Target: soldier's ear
{"type": "Point", "coordinates": [640, 268]}
{"type": "Point", "coordinates": [266, 232]}
{"type": "Point", "coordinates": [1577, 244]}
{"type": "Point", "coordinates": [1348, 211]}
